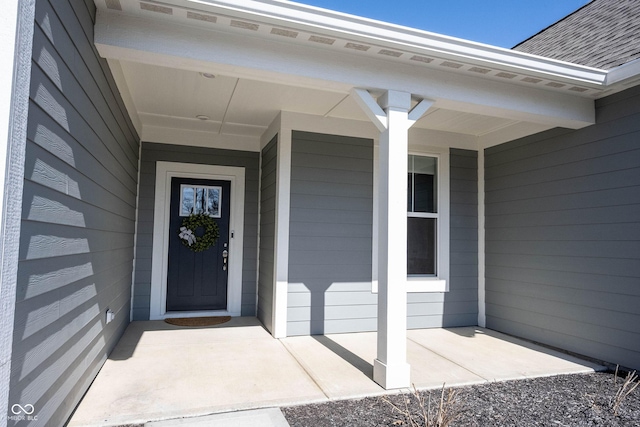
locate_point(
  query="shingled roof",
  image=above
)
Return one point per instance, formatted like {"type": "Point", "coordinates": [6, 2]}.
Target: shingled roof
{"type": "Point", "coordinates": [602, 34]}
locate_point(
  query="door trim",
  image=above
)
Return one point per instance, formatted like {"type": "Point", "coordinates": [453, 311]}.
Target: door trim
{"type": "Point", "coordinates": [160, 250]}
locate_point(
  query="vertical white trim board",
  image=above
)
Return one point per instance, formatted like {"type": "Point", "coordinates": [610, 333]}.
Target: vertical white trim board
{"type": "Point", "coordinates": [135, 235]}
{"type": "Point", "coordinates": [283, 205]}
{"type": "Point", "coordinates": [482, 313]}
{"type": "Point", "coordinates": [16, 45]}
{"type": "Point", "coordinates": [164, 172]}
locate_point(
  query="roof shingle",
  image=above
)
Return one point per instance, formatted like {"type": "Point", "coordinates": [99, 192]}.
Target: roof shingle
{"type": "Point", "coordinates": [602, 34]}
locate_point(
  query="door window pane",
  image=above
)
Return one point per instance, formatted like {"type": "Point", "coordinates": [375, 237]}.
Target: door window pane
{"type": "Point", "coordinates": [203, 199]}
{"type": "Point", "coordinates": [421, 246]}
{"type": "Point", "coordinates": [200, 200]}
{"type": "Point", "coordinates": [213, 201]}
{"type": "Point", "coordinates": [187, 201]}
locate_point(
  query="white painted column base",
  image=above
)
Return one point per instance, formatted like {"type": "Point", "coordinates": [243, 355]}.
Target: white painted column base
{"type": "Point", "coordinates": [391, 376]}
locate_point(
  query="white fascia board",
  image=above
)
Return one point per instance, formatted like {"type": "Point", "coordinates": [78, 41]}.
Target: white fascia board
{"type": "Point", "coordinates": [164, 44]}
{"type": "Point", "coordinates": [625, 75]}
{"type": "Point", "coordinates": [385, 34]}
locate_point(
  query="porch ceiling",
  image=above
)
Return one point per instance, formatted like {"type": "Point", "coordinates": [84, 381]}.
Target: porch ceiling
{"type": "Point", "coordinates": [271, 56]}
{"type": "Point", "coordinates": [175, 98]}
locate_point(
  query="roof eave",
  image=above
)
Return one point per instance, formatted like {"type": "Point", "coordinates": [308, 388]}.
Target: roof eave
{"type": "Point", "coordinates": [334, 23]}
{"type": "Point", "coordinates": [627, 74]}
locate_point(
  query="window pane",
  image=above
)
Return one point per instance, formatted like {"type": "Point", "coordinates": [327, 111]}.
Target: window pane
{"type": "Point", "coordinates": [213, 202]}
{"type": "Point", "coordinates": [187, 201]}
{"type": "Point", "coordinates": [199, 200]}
{"type": "Point", "coordinates": [410, 193]}
{"type": "Point", "coordinates": [424, 198]}
{"type": "Point", "coordinates": [421, 246]}
{"type": "Point", "coordinates": [422, 184]}
{"type": "Point", "coordinates": [423, 164]}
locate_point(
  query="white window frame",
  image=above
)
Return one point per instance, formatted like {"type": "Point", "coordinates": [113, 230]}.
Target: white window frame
{"type": "Point", "coordinates": [440, 281]}
{"type": "Point", "coordinates": [423, 284]}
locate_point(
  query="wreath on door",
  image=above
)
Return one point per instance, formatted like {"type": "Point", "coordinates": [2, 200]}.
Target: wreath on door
{"type": "Point", "coordinates": [192, 224]}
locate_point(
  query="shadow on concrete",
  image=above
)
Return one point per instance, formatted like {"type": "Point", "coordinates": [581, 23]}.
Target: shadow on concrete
{"type": "Point", "coordinates": [346, 355]}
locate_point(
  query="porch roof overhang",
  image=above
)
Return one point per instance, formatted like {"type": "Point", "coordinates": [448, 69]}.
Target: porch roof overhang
{"type": "Point", "coordinates": [272, 56]}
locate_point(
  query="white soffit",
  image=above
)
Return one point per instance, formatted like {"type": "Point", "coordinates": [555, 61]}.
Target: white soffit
{"type": "Point", "coordinates": [466, 123]}
{"type": "Point", "coordinates": [290, 22]}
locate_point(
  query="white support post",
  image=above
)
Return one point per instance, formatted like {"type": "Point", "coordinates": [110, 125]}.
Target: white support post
{"type": "Point", "coordinates": [392, 115]}
{"type": "Point", "coordinates": [390, 369]}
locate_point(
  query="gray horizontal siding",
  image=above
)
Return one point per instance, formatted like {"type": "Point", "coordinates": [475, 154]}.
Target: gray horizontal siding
{"type": "Point", "coordinates": [152, 153]}
{"type": "Point", "coordinates": [563, 235]}
{"type": "Point", "coordinates": [330, 235]}
{"type": "Point", "coordinates": [330, 242]}
{"type": "Point", "coordinates": [459, 306]}
{"type": "Point", "coordinates": [268, 183]}
{"type": "Point", "coordinates": [78, 216]}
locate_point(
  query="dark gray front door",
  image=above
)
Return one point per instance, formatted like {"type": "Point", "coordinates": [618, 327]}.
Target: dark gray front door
{"type": "Point", "coordinates": [197, 281]}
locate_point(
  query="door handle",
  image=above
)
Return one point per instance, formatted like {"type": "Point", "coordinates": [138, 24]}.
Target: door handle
{"type": "Point", "coordinates": [225, 257]}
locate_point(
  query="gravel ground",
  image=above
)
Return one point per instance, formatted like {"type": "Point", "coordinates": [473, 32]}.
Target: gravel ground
{"type": "Point", "coordinates": [566, 400]}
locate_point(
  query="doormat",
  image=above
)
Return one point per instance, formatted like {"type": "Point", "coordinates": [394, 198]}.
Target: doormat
{"type": "Point", "coordinates": [198, 321]}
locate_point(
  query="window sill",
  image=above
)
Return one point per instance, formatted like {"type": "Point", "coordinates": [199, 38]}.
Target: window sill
{"type": "Point", "coordinates": [420, 285]}
{"type": "Point", "coordinates": [426, 284]}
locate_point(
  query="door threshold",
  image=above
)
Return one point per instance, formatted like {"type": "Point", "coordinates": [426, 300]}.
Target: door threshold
{"type": "Point", "coordinates": [212, 313]}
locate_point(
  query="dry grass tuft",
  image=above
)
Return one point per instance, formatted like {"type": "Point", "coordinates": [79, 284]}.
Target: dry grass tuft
{"type": "Point", "coordinates": [442, 415]}
{"type": "Point", "coordinates": [626, 388]}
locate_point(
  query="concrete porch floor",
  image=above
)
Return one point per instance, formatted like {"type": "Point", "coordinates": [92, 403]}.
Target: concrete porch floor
{"type": "Point", "coordinates": [158, 371]}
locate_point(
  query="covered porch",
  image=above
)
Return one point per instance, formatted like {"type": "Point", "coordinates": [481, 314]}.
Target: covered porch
{"type": "Point", "coordinates": [312, 117]}
{"type": "Point", "coordinates": [159, 371]}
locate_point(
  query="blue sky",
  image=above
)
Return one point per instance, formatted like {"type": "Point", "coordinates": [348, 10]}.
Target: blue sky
{"type": "Point", "coordinates": [497, 22]}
